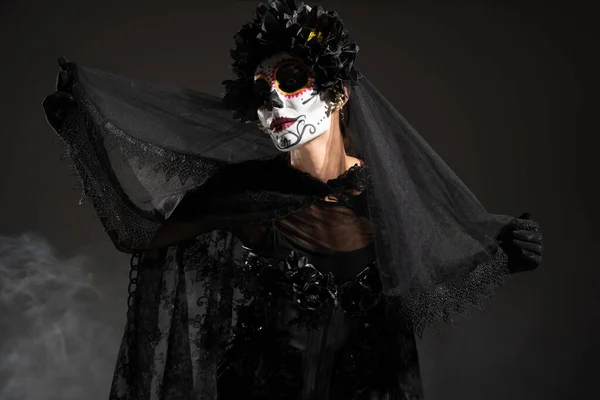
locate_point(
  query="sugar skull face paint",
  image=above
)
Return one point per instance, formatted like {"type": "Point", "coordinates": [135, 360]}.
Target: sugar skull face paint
{"type": "Point", "coordinates": [291, 111]}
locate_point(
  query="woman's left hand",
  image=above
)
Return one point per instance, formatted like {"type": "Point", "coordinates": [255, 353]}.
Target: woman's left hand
{"type": "Point", "coordinates": [524, 246]}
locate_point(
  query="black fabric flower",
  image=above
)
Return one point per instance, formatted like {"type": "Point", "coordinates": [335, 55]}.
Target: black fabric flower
{"type": "Point", "coordinates": [311, 289]}
{"type": "Point", "coordinates": [314, 35]}
{"type": "Point", "coordinates": [361, 294]}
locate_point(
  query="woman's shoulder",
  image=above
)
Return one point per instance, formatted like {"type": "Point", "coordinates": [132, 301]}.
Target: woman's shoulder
{"type": "Point", "coordinates": [353, 161]}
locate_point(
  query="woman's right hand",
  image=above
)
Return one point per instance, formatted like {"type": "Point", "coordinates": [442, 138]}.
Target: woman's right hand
{"type": "Point", "coordinates": [59, 104]}
{"type": "Point", "coordinates": [65, 78]}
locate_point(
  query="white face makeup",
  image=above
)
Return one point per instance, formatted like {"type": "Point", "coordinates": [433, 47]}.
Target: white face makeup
{"type": "Point", "coordinates": [292, 113]}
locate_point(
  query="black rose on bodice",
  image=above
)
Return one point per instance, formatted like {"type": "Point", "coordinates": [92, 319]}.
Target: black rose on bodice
{"type": "Point", "coordinates": [362, 293]}
{"type": "Point", "coordinates": [311, 288]}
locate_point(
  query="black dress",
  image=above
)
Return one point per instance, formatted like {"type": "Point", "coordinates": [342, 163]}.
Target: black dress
{"type": "Point", "coordinates": [300, 314]}
{"type": "Point", "coordinates": [322, 335]}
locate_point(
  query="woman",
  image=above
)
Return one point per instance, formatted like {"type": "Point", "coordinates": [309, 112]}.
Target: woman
{"type": "Point", "coordinates": [300, 270]}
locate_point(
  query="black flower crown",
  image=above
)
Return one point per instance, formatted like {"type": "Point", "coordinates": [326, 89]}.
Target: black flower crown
{"type": "Point", "coordinates": [314, 35]}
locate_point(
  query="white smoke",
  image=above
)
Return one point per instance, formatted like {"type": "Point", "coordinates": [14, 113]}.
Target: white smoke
{"type": "Point", "coordinates": [58, 336]}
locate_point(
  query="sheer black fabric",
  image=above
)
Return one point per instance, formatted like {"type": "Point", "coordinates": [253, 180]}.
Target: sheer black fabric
{"type": "Point", "coordinates": [180, 316]}
{"type": "Point", "coordinates": [138, 148]}
{"type": "Point", "coordinates": [173, 177]}
{"type": "Point", "coordinates": [438, 247]}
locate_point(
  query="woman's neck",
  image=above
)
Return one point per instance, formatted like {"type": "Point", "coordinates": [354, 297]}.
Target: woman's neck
{"type": "Point", "coordinates": [324, 157]}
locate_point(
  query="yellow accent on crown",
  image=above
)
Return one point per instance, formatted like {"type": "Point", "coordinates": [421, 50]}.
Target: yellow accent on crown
{"type": "Point", "coordinates": [313, 34]}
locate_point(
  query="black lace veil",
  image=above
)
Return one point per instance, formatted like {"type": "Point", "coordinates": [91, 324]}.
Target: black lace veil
{"type": "Point", "coordinates": [139, 148]}
{"type": "Point", "coordinates": [438, 247]}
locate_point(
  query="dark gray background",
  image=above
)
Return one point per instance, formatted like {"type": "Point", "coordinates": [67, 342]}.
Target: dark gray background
{"type": "Point", "coordinates": [501, 90]}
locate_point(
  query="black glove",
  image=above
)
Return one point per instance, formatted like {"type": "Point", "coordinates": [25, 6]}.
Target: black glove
{"type": "Point", "coordinates": [523, 243]}
{"type": "Point", "coordinates": [59, 104]}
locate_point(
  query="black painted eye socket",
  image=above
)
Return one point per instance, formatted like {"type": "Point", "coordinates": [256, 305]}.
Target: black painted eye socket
{"type": "Point", "coordinates": [261, 90]}
{"type": "Point", "coordinates": [291, 77]}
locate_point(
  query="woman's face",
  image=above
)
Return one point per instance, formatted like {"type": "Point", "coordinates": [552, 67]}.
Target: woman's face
{"type": "Point", "coordinates": [291, 111]}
